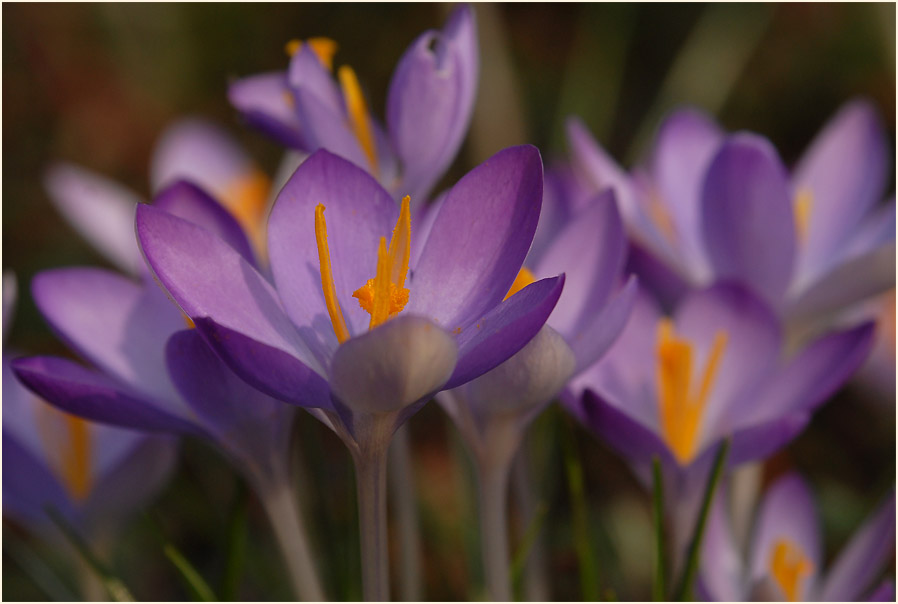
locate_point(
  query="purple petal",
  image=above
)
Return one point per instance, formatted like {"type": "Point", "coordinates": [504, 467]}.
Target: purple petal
{"type": "Point", "coordinates": [94, 396]}
{"type": "Point", "coordinates": [208, 278]}
{"type": "Point", "coordinates": [113, 322]}
{"type": "Point", "coordinates": [590, 252]}
{"type": "Point", "coordinates": [845, 170]}
{"type": "Point", "coordinates": [306, 72]}
{"type": "Point", "coordinates": [267, 103]}
{"type": "Point", "coordinates": [656, 276]}
{"type": "Point", "coordinates": [393, 366]}
{"type": "Point", "coordinates": [885, 592]}
{"type": "Point", "coordinates": [430, 102]}
{"type": "Point", "coordinates": [326, 127]}
{"type": "Point", "coordinates": [747, 220]}
{"type": "Point", "coordinates": [622, 431]}
{"type": "Point", "coordinates": [504, 330]}
{"type": "Point", "coordinates": [813, 376]}
{"type": "Point", "coordinates": [750, 354]}
{"type": "Point", "coordinates": [685, 145]}
{"type": "Point", "coordinates": [601, 329]}
{"type": "Point", "coordinates": [188, 201]}
{"type": "Point", "coordinates": [860, 562]}
{"type": "Point", "coordinates": [266, 367]}
{"type": "Point", "coordinates": [479, 240]}
{"type": "Point", "coordinates": [100, 210]}
{"type": "Point", "coordinates": [358, 214]}
{"type": "Point", "coordinates": [787, 512]}
{"type": "Point", "coordinates": [721, 563]}
{"type": "Point", "coordinates": [877, 228]}
{"type": "Point", "coordinates": [29, 485]}
{"type": "Point", "coordinates": [250, 425]}
{"type": "Point", "coordinates": [764, 439]}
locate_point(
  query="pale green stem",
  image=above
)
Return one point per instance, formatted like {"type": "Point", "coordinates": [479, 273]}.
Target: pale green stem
{"type": "Point", "coordinates": [402, 490]}
{"type": "Point", "coordinates": [493, 482]}
{"type": "Point", "coordinates": [371, 484]}
{"type": "Point", "coordinates": [282, 507]}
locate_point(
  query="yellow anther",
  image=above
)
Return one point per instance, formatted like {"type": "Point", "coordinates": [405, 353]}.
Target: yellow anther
{"type": "Point", "coordinates": [188, 321]}
{"type": "Point", "coordinates": [385, 295]}
{"type": "Point", "coordinates": [358, 113]}
{"type": "Point", "coordinates": [680, 409]}
{"type": "Point", "coordinates": [789, 566]}
{"type": "Point", "coordinates": [524, 278]}
{"type": "Point", "coordinates": [327, 277]}
{"type": "Point", "coordinates": [246, 199]}
{"type": "Point", "coordinates": [66, 439]}
{"type": "Point", "coordinates": [802, 206]}
{"type": "Point", "coordinates": [324, 49]}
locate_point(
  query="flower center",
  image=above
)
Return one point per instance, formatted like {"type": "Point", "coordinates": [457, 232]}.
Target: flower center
{"type": "Point", "coordinates": [357, 110]}
{"type": "Point", "coordinates": [66, 439]}
{"type": "Point", "coordinates": [324, 49]}
{"type": "Point", "coordinates": [802, 206]}
{"type": "Point", "coordinates": [246, 199]}
{"type": "Point", "coordinates": [680, 406]}
{"type": "Point", "coordinates": [384, 296]}
{"type": "Point", "coordinates": [789, 566]}
{"type": "Point", "coordinates": [524, 278]}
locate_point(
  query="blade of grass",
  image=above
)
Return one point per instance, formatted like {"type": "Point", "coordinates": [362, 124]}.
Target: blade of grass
{"type": "Point", "coordinates": [236, 552]}
{"type": "Point", "coordinates": [586, 555]}
{"type": "Point", "coordinates": [684, 590]}
{"type": "Point", "coordinates": [190, 577]}
{"type": "Point", "coordinates": [114, 586]}
{"type": "Point", "coordinates": [519, 562]}
{"type": "Point", "coordinates": [36, 569]}
{"type": "Point", "coordinates": [659, 589]}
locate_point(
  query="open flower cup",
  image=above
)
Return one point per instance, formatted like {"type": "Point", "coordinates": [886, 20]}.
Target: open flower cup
{"type": "Point", "coordinates": [429, 106]}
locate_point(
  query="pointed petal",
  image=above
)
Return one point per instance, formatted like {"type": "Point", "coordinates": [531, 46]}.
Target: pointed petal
{"type": "Point", "coordinates": [208, 278]}
{"type": "Point", "coordinates": [762, 440]}
{"type": "Point", "coordinates": [504, 330]}
{"type": "Point", "coordinates": [358, 212]}
{"type": "Point", "coordinates": [100, 210]}
{"type": "Point", "coordinates": [721, 563]}
{"type": "Point", "coordinates": [747, 220]}
{"type": "Point", "coordinates": [845, 170]}
{"type": "Point", "coordinates": [598, 333]}
{"type": "Point", "coordinates": [306, 72]}
{"type": "Point", "coordinates": [326, 127]}
{"type": "Point", "coordinates": [117, 324]}
{"type": "Point", "coordinates": [394, 365]}
{"type": "Point", "coordinates": [479, 240]}
{"type": "Point", "coordinates": [860, 562]}
{"type": "Point", "coordinates": [95, 396]}
{"type": "Point", "coordinates": [186, 200]}
{"type": "Point", "coordinates": [265, 101]}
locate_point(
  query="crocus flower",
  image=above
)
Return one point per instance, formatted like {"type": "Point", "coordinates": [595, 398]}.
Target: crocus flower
{"type": "Point", "coordinates": [493, 411]}
{"type": "Point", "coordinates": [352, 326]}
{"type": "Point", "coordinates": [149, 377]}
{"type": "Point", "coordinates": [710, 206]}
{"type": "Point", "coordinates": [429, 106]}
{"type": "Point", "coordinates": [192, 150]}
{"type": "Point", "coordinates": [94, 476]}
{"type": "Point", "coordinates": [675, 387]}
{"type": "Point", "coordinates": [784, 562]}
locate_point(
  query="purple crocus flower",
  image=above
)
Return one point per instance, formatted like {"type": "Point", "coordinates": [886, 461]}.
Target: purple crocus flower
{"type": "Point", "coordinates": [785, 563]}
{"type": "Point", "coordinates": [675, 387]}
{"type": "Point", "coordinates": [429, 106]}
{"type": "Point", "coordinates": [153, 376]}
{"type": "Point", "coordinates": [94, 476]}
{"type": "Point", "coordinates": [711, 206]}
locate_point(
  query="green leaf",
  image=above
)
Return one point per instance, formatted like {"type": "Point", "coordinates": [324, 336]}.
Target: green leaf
{"type": "Point", "coordinates": [659, 588]}
{"type": "Point", "coordinates": [113, 585]}
{"type": "Point", "coordinates": [193, 581]}
{"type": "Point", "coordinates": [236, 545]}
{"type": "Point", "coordinates": [587, 560]}
{"type": "Point", "coordinates": [684, 591]}
{"type": "Point", "coordinates": [36, 569]}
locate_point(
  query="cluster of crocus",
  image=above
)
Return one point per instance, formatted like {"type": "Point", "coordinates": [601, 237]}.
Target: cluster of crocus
{"type": "Point", "coordinates": [693, 314]}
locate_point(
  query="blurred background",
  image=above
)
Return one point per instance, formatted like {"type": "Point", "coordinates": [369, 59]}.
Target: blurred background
{"type": "Point", "coordinates": [96, 85]}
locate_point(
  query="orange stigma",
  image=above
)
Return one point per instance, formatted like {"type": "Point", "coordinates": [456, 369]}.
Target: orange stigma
{"type": "Point", "coordinates": [789, 566]}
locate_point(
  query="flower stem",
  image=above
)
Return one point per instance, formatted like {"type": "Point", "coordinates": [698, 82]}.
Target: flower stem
{"type": "Point", "coordinates": [402, 489]}
{"type": "Point", "coordinates": [494, 531]}
{"type": "Point", "coordinates": [283, 511]}
{"type": "Point", "coordinates": [658, 588]}
{"type": "Point", "coordinates": [536, 580]}
{"type": "Point", "coordinates": [371, 483]}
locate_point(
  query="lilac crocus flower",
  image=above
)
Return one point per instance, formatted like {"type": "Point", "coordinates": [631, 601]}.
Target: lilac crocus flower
{"type": "Point", "coordinates": [675, 387]}
{"type": "Point", "coordinates": [418, 325]}
{"type": "Point", "coordinates": [493, 411]}
{"type": "Point", "coordinates": [429, 106]}
{"type": "Point", "coordinates": [785, 563]}
{"type": "Point", "coordinates": [94, 476]}
{"type": "Point", "coordinates": [710, 206]}
{"type": "Point", "coordinates": [150, 375]}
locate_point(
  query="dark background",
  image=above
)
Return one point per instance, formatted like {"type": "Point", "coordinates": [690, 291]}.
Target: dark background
{"type": "Point", "coordinates": [96, 84]}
